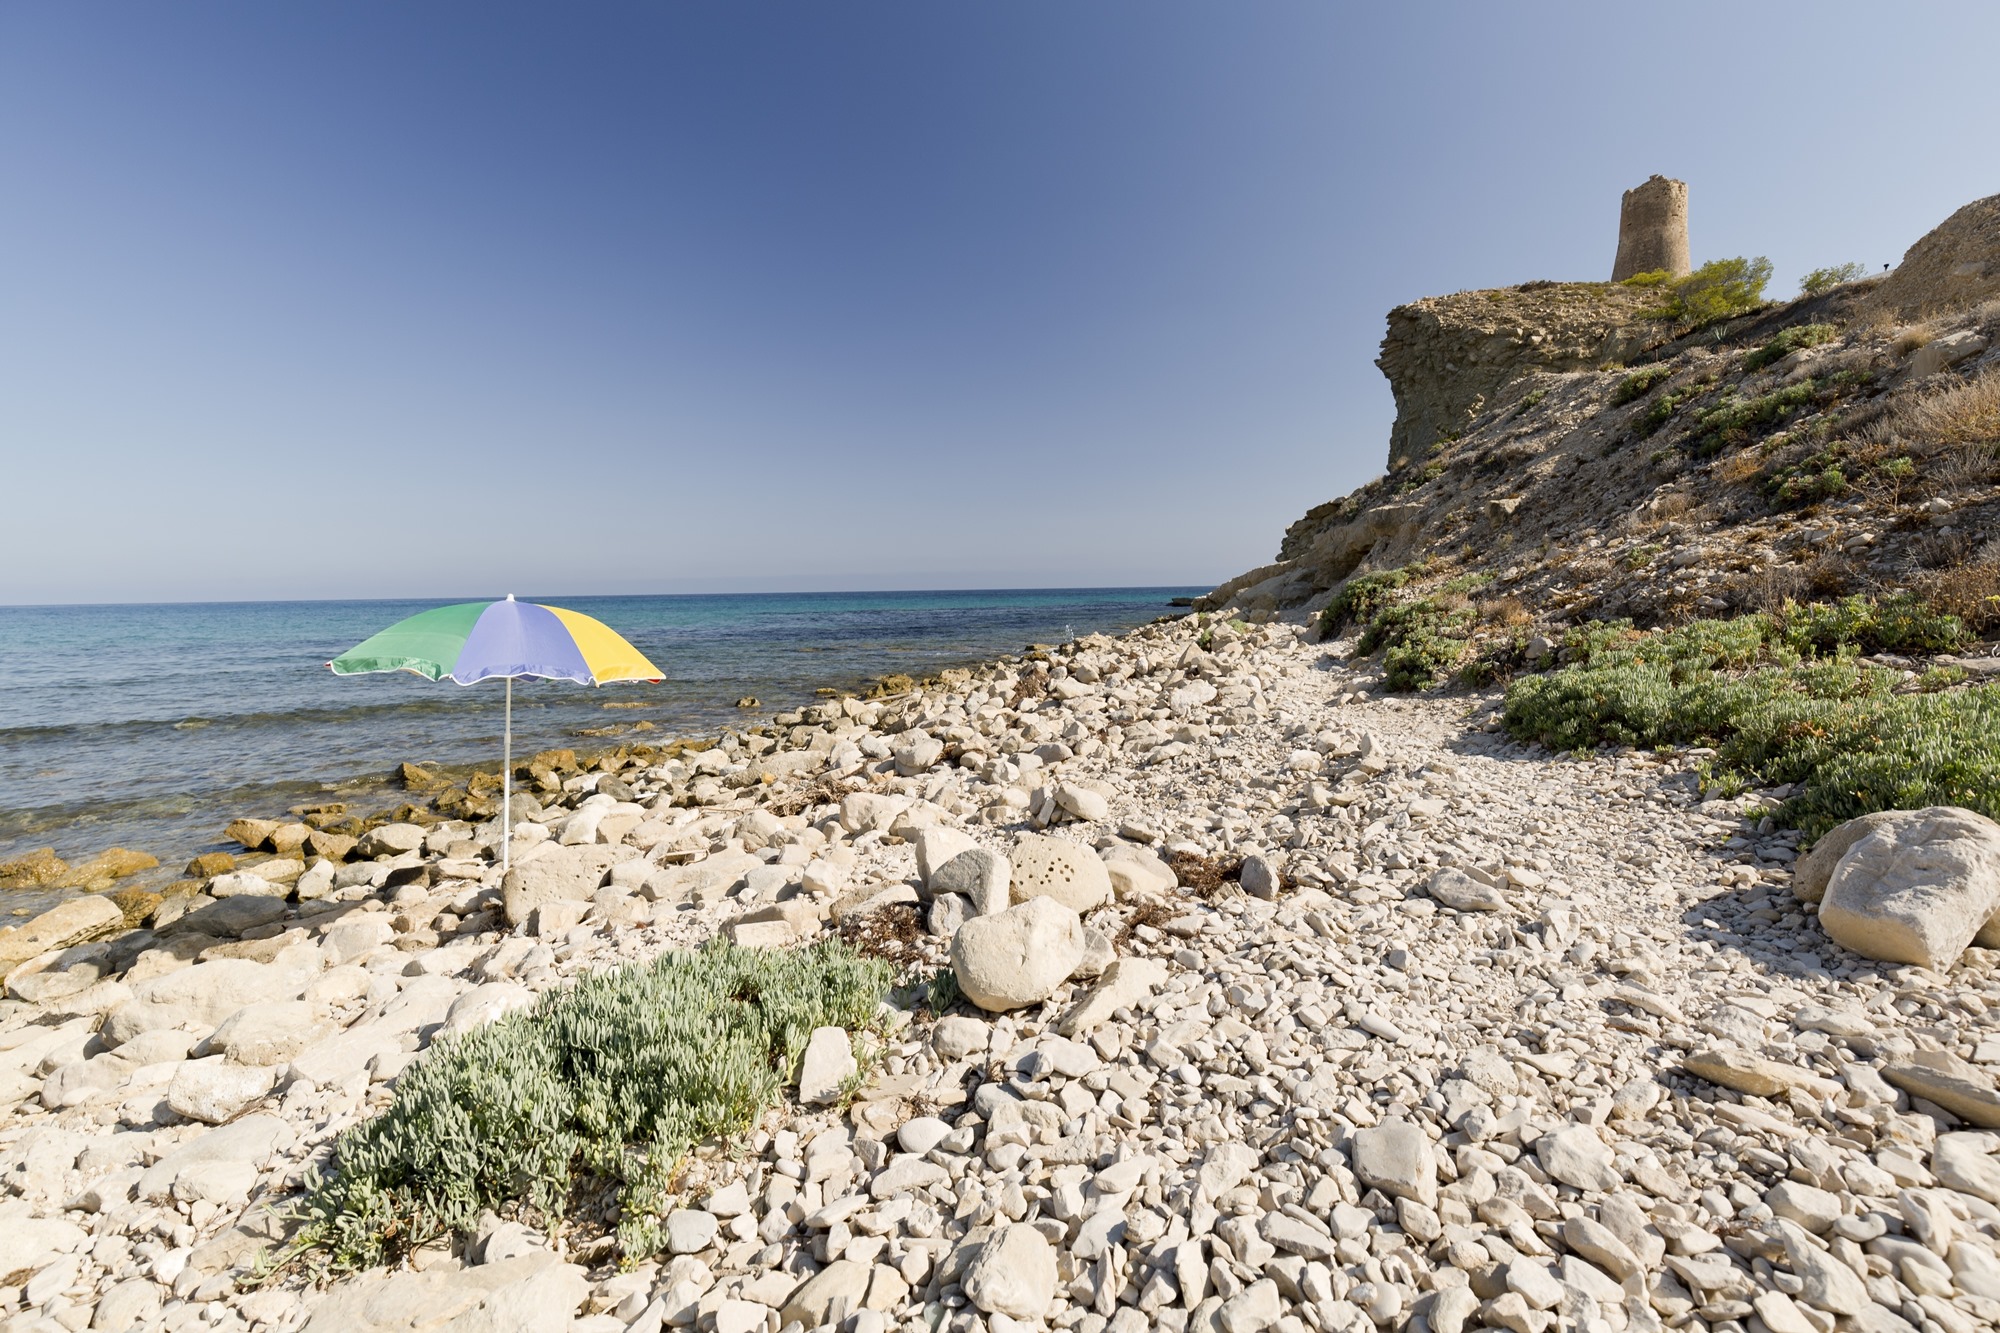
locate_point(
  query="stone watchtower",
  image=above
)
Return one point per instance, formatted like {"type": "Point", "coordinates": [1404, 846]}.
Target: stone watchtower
{"type": "Point", "coordinates": [1653, 229]}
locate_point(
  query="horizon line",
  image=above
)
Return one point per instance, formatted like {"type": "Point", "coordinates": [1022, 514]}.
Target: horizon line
{"type": "Point", "coordinates": [763, 592]}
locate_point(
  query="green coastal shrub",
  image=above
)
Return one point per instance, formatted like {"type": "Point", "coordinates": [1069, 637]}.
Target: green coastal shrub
{"type": "Point", "coordinates": [1361, 597]}
{"type": "Point", "coordinates": [1734, 420]}
{"type": "Point", "coordinates": [1639, 383]}
{"type": "Point", "coordinates": [1657, 277]}
{"type": "Point", "coordinates": [1783, 699]}
{"type": "Point", "coordinates": [604, 1085]}
{"type": "Point", "coordinates": [1426, 653]}
{"type": "Point", "coordinates": [1425, 639]}
{"type": "Point", "coordinates": [1919, 750]}
{"type": "Point", "coordinates": [1723, 288]}
{"type": "Point", "coordinates": [1789, 341]}
{"type": "Point", "coordinates": [1898, 623]}
{"type": "Point", "coordinates": [1823, 280]}
{"type": "Point", "coordinates": [1720, 289]}
{"type": "Point", "coordinates": [1665, 405]}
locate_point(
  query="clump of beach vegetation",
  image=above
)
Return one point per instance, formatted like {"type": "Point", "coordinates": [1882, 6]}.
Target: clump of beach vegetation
{"type": "Point", "coordinates": [601, 1088]}
{"type": "Point", "coordinates": [1783, 698]}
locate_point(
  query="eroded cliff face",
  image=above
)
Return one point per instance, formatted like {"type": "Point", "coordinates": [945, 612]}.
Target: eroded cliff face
{"type": "Point", "coordinates": [1448, 357]}
{"type": "Point", "coordinates": [1594, 465]}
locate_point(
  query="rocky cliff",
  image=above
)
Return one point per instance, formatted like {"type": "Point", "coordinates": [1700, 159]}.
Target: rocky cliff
{"type": "Point", "coordinates": [1448, 357]}
{"type": "Point", "coordinates": [1588, 462]}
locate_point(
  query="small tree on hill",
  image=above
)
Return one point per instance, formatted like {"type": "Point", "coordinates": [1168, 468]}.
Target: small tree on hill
{"type": "Point", "coordinates": [1823, 280]}
{"type": "Point", "coordinates": [1721, 288]}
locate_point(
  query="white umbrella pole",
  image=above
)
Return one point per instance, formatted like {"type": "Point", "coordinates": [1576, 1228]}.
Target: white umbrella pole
{"type": "Point", "coordinates": [507, 780]}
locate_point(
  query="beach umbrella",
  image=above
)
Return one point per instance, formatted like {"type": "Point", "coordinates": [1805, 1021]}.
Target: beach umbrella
{"type": "Point", "coordinates": [477, 641]}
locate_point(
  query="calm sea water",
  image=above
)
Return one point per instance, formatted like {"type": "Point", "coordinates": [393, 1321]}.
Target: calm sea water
{"type": "Point", "coordinates": [152, 726]}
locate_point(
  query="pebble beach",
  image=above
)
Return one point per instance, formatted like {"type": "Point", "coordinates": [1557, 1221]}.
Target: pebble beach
{"type": "Point", "coordinates": [1285, 1005]}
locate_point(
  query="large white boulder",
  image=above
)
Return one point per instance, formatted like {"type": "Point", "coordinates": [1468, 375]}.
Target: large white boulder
{"type": "Point", "coordinates": [826, 1066]}
{"type": "Point", "coordinates": [1083, 802]}
{"type": "Point", "coordinates": [28, 1243]}
{"type": "Point", "coordinates": [1917, 888]}
{"type": "Point", "coordinates": [67, 923]}
{"type": "Point", "coordinates": [978, 874]}
{"type": "Point", "coordinates": [1019, 956]}
{"type": "Point", "coordinates": [1816, 867]}
{"type": "Point", "coordinates": [864, 810]}
{"type": "Point", "coordinates": [390, 840]}
{"type": "Point", "coordinates": [252, 1139]}
{"type": "Point", "coordinates": [247, 884]}
{"type": "Point", "coordinates": [560, 872]}
{"type": "Point", "coordinates": [485, 1004]}
{"type": "Point", "coordinates": [828, 1296]}
{"type": "Point", "coordinates": [1396, 1157]}
{"type": "Point", "coordinates": [268, 1034]}
{"type": "Point", "coordinates": [1123, 985]}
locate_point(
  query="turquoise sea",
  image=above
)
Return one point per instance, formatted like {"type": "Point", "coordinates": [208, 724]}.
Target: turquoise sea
{"type": "Point", "coordinates": [151, 727]}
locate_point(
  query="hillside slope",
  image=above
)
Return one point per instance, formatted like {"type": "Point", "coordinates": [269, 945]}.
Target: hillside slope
{"type": "Point", "coordinates": [1594, 463]}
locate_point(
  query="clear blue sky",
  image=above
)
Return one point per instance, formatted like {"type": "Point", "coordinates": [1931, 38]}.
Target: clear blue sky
{"type": "Point", "coordinates": [359, 299]}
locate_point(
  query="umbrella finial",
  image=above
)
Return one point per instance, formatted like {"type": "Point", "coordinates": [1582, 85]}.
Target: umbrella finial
{"type": "Point", "coordinates": [510, 596]}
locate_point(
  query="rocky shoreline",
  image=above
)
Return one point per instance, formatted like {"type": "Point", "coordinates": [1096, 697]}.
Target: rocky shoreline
{"type": "Point", "coordinates": [1308, 1009]}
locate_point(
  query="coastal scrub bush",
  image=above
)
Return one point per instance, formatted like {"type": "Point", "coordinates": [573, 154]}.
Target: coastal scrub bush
{"type": "Point", "coordinates": [1918, 750]}
{"type": "Point", "coordinates": [1720, 289]}
{"type": "Point", "coordinates": [1784, 699]}
{"type": "Point", "coordinates": [1818, 476]}
{"type": "Point", "coordinates": [1423, 476]}
{"type": "Point", "coordinates": [1734, 420]}
{"type": "Point", "coordinates": [1657, 277]}
{"type": "Point", "coordinates": [1361, 597]}
{"type": "Point", "coordinates": [1823, 280]}
{"type": "Point", "coordinates": [1897, 623]}
{"type": "Point", "coordinates": [1420, 640]}
{"type": "Point", "coordinates": [1665, 405]}
{"type": "Point", "coordinates": [1789, 341]}
{"type": "Point", "coordinates": [1639, 383]}
{"type": "Point", "coordinates": [604, 1085]}
{"type": "Point", "coordinates": [1969, 591]}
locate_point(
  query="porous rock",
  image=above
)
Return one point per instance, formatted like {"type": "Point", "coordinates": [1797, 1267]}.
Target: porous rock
{"type": "Point", "coordinates": [1057, 868]}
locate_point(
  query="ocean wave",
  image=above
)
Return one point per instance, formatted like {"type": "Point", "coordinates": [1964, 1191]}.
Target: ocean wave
{"type": "Point", "coordinates": [240, 721]}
